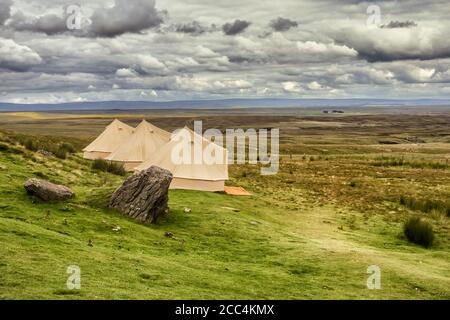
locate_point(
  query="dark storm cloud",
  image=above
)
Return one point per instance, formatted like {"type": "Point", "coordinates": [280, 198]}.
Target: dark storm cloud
{"type": "Point", "coordinates": [240, 59]}
{"type": "Point", "coordinates": [282, 24]}
{"type": "Point", "coordinates": [5, 10]}
{"type": "Point", "coordinates": [125, 16]}
{"type": "Point", "coordinates": [384, 56]}
{"type": "Point", "coordinates": [49, 24]}
{"type": "Point", "coordinates": [396, 44]}
{"type": "Point", "coordinates": [372, 52]}
{"type": "Point", "coordinates": [238, 26]}
{"type": "Point", "coordinates": [122, 17]}
{"type": "Point", "coordinates": [399, 24]}
{"type": "Point", "coordinates": [193, 27]}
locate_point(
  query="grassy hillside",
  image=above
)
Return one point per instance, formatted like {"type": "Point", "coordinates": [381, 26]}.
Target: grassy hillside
{"type": "Point", "coordinates": [295, 238]}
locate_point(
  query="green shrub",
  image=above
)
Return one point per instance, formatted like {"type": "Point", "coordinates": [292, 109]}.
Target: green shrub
{"type": "Point", "coordinates": [419, 231]}
{"type": "Point", "coordinates": [69, 148]}
{"type": "Point", "coordinates": [387, 142]}
{"type": "Point", "coordinates": [4, 147]}
{"type": "Point", "coordinates": [401, 162]}
{"type": "Point", "coordinates": [5, 138]}
{"type": "Point", "coordinates": [60, 153]}
{"type": "Point", "coordinates": [425, 205]}
{"type": "Point", "coordinates": [403, 200]}
{"type": "Point", "coordinates": [30, 156]}
{"type": "Point", "coordinates": [40, 174]}
{"type": "Point", "coordinates": [109, 166]}
{"type": "Point", "coordinates": [116, 168]}
{"type": "Point", "coordinates": [100, 164]}
{"type": "Point", "coordinates": [31, 145]}
{"type": "Point", "coordinates": [56, 145]}
{"type": "Point", "coordinates": [16, 150]}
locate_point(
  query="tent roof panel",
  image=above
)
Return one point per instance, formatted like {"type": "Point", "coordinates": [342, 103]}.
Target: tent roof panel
{"type": "Point", "coordinates": [113, 135]}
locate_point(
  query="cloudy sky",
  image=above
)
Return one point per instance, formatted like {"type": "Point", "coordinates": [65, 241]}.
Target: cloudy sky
{"type": "Point", "coordinates": [55, 51]}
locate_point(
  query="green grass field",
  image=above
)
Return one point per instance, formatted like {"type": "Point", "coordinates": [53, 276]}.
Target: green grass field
{"type": "Point", "coordinates": [309, 232]}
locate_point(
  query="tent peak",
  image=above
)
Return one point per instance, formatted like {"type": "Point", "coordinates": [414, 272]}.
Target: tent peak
{"type": "Point", "coordinates": [118, 123]}
{"type": "Point", "coordinates": [141, 145]}
{"type": "Point", "coordinates": [142, 123]}
{"type": "Point", "coordinates": [113, 135]}
{"type": "Point", "coordinates": [115, 121]}
{"type": "Point", "coordinates": [146, 125]}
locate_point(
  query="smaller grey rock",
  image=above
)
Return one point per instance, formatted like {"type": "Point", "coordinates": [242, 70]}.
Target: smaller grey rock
{"type": "Point", "coordinates": [45, 153]}
{"type": "Point", "coordinates": [48, 191]}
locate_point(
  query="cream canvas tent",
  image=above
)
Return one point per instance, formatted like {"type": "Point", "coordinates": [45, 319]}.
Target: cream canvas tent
{"type": "Point", "coordinates": [114, 134]}
{"type": "Point", "coordinates": [191, 174]}
{"type": "Point", "coordinates": [141, 145]}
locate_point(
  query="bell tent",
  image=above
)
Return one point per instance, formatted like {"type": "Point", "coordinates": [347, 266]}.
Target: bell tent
{"type": "Point", "coordinates": [188, 172]}
{"type": "Point", "coordinates": [143, 144]}
{"type": "Point", "coordinates": [114, 134]}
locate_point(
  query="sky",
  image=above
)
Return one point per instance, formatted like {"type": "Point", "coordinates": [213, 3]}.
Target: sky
{"type": "Point", "coordinates": [56, 51]}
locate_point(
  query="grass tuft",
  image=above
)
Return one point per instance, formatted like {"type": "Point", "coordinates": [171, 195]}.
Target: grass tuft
{"type": "Point", "coordinates": [58, 147]}
{"type": "Point", "coordinates": [425, 205]}
{"type": "Point", "coordinates": [401, 162]}
{"type": "Point", "coordinates": [60, 153]}
{"type": "Point", "coordinates": [4, 147]}
{"type": "Point", "coordinates": [419, 231]}
{"type": "Point", "coordinates": [109, 166]}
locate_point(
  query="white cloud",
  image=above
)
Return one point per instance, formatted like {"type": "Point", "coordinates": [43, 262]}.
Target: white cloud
{"type": "Point", "coordinates": [182, 63]}
{"type": "Point", "coordinates": [314, 85]}
{"type": "Point", "coordinates": [148, 62]}
{"type": "Point", "coordinates": [126, 73]}
{"type": "Point", "coordinates": [293, 87]}
{"type": "Point", "coordinates": [151, 93]}
{"type": "Point", "coordinates": [14, 56]}
{"type": "Point", "coordinates": [418, 74]}
{"type": "Point", "coordinates": [325, 49]}
{"type": "Point", "coordinates": [204, 52]}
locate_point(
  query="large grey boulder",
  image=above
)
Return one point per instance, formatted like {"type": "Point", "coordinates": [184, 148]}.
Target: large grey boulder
{"type": "Point", "coordinates": [48, 191]}
{"type": "Point", "coordinates": [144, 196]}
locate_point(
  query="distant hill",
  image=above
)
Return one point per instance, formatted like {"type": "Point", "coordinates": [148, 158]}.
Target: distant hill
{"type": "Point", "coordinates": [219, 104]}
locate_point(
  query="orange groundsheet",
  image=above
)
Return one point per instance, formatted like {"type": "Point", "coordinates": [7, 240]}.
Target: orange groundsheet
{"type": "Point", "coordinates": [237, 191]}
